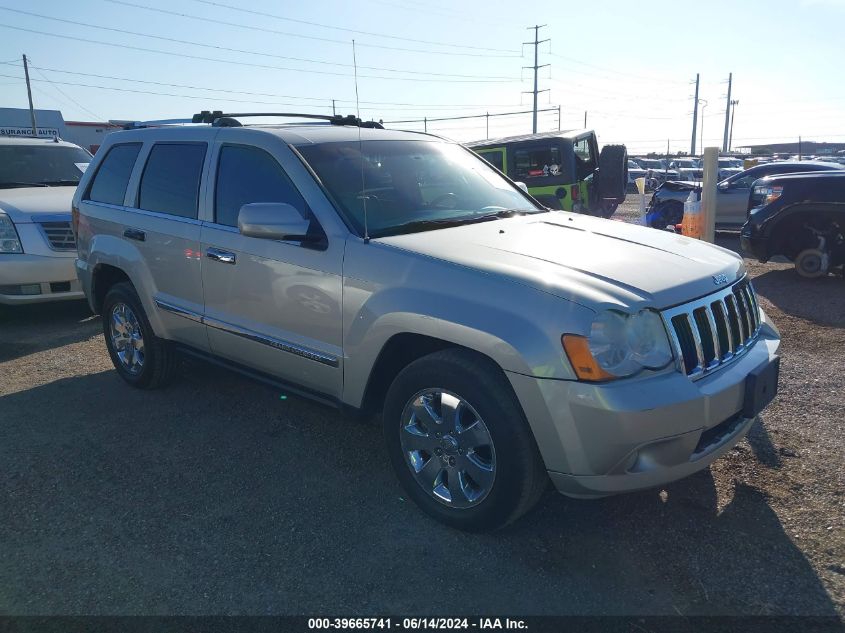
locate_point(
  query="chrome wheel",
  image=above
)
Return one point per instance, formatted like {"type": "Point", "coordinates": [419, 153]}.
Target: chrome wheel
{"type": "Point", "coordinates": [126, 338]}
{"type": "Point", "coordinates": [448, 448]}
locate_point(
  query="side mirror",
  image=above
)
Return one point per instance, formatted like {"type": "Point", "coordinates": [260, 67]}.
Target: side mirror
{"type": "Point", "coordinates": [522, 186]}
{"type": "Point", "coordinates": [724, 186]}
{"type": "Point", "coordinates": [273, 221]}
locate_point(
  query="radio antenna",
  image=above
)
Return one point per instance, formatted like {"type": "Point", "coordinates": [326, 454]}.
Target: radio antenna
{"type": "Point", "coordinates": [360, 146]}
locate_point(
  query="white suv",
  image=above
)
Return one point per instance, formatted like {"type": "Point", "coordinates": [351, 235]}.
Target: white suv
{"type": "Point", "coordinates": [37, 247]}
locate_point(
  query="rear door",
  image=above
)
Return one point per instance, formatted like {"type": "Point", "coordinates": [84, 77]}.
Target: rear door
{"type": "Point", "coordinates": [270, 305]}
{"type": "Point", "coordinates": [162, 223]}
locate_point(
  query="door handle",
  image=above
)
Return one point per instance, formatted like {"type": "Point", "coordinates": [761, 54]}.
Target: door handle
{"type": "Point", "coordinates": [135, 234]}
{"type": "Point", "coordinates": [224, 257]}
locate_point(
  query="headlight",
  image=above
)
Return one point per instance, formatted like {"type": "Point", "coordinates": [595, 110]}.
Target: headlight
{"type": "Point", "coordinates": [619, 345]}
{"type": "Point", "coordinates": [768, 194]}
{"type": "Point", "coordinates": [9, 242]}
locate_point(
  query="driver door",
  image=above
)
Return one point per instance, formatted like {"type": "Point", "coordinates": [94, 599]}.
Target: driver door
{"type": "Point", "coordinates": [732, 201]}
{"type": "Point", "coordinates": [273, 306]}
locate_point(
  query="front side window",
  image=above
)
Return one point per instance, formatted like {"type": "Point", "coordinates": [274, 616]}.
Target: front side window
{"type": "Point", "coordinates": [171, 180]}
{"type": "Point", "coordinates": [584, 158]}
{"type": "Point", "coordinates": [409, 186]}
{"type": "Point", "coordinates": [537, 162]}
{"type": "Point", "coordinates": [248, 174]}
{"type": "Point", "coordinates": [112, 177]}
{"type": "Point", "coordinates": [41, 165]}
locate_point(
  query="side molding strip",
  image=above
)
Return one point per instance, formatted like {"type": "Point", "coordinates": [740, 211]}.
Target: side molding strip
{"type": "Point", "coordinates": [279, 344]}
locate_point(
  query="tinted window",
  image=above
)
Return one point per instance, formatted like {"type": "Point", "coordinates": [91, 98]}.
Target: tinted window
{"type": "Point", "coordinates": [171, 180]}
{"type": "Point", "coordinates": [494, 158]}
{"type": "Point", "coordinates": [49, 164]}
{"type": "Point", "coordinates": [537, 162]}
{"type": "Point", "coordinates": [113, 175]}
{"type": "Point", "coordinates": [249, 174]}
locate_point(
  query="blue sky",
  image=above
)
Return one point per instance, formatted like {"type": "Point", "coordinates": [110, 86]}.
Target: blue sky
{"type": "Point", "coordinates": [628, 65]}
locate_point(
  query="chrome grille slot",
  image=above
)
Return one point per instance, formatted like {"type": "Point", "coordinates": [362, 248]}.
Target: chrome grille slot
{"type": "Point", "coordinates": [710, 332]}
{"type": "Point", "coordinates": [59, 235]}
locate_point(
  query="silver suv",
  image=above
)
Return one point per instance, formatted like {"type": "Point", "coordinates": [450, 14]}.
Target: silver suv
{"type": "Point", "coordinates": [503, 344]}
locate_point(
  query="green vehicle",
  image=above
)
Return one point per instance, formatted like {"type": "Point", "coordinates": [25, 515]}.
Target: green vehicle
{"type": "Point", "coordinates": [562, 170]}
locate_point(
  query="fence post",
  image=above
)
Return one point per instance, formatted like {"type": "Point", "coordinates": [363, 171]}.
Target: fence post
{"type": "Point", "coordinates": [425, 124]}
{"type": "Point", "coordinates": [708, 194]}
{"type": "Point", "coordinates": [488, 125]}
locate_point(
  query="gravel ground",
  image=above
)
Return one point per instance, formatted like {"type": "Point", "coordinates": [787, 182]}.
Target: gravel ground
{"type": "Point", "coordinates": [215, 496]}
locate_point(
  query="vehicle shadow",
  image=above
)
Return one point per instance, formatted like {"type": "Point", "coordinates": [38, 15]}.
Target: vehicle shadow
{"type": "Point", "coordinates": [219, 495]}
{"type": "Point", "coordinates": [28, 329]}
{"type": "Point", "coordinates": [820, 301]}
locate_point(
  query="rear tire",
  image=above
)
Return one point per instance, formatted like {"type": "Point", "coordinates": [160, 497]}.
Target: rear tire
{"type": "Point", "coordinates": [461, 388]}
{"type": "Point", "coordinates": [139, 356]}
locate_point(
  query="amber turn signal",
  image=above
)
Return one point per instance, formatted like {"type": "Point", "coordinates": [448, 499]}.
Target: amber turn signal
{"type": "Point", "coordinates": [577, 349]}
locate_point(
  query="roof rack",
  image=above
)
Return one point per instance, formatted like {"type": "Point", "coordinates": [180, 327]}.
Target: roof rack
{"type": "Point", "coordinates": [134, 125]}
{"type": "Point", "coordinates": [219, 119]}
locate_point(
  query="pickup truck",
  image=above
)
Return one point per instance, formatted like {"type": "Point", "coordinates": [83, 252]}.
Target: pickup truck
{"type": "Point", "coordinates": [799, 216]}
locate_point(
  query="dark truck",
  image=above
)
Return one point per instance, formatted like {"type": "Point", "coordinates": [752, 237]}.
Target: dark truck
{"type": "Point", "coordinates": [799, 216]}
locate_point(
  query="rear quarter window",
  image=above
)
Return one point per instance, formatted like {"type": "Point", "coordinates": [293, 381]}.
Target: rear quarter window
{"type": "Point", "coordinates": [112, 177]}
{"type": "Point", "coordinates": [171, 180]}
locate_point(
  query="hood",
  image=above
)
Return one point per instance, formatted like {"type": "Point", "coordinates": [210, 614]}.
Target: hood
{"type": "Point", "coordinates": [25, 202]}
{"type": "Point", "coordinates": [595, 262]}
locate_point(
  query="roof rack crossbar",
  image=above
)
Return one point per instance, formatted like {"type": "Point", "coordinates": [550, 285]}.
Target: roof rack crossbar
{"type": "Point", "coordinates": [218, 118]}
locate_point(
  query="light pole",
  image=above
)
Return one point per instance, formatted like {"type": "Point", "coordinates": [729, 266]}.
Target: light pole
{"type": "Point", "coordinates": [703, 103]}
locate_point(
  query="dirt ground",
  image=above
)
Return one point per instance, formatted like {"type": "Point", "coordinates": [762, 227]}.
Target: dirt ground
{"type": "Point", "coordinates": [216, 496]}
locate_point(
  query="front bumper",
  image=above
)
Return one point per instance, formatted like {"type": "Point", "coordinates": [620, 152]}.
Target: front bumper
{"type": "Point", "coordinates": [753, 244]}
{"type": "Point", "coordinates": [54, 276]}
{"type": "Point", "coordinates": [642, 432]}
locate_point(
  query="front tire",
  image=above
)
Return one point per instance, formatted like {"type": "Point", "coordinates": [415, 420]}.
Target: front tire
{"type": "Point", "coordinates": [459, 442]}
{"type": "Point", "coordinates": [139, 356]}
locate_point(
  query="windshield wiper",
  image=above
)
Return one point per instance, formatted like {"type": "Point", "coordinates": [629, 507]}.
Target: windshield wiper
{"type": "Point", "coordinates": [7, 185]}
{"type": "Point", "coordinates": [61, 183]}
{"type": "Point", "coordinates": [416, 226]}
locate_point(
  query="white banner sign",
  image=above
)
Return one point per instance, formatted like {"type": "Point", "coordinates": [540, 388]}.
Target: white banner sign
{"type": "Point", "coordinates": [43, 132]}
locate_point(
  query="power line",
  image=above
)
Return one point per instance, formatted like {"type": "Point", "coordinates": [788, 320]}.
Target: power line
{"type": "Point", "coordinates": [228, 23]}
{"type": "Point", "coordinates": [244, 51]}
{"type": "Point", "coordinates": [413, 106]}
{"type": "Point", "coordinates": [618, 72]}
{"type": "Point", "coordinates": [348, 30]}
{"type": "Point", "coordinates": [55, 87]}
{"type": "Point", "coordinates": [238, 63]}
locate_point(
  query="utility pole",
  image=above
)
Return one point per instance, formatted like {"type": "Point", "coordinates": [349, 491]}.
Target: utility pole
{"type": "Point", "coordinates": [733, 116]}
{"type": "Point", "coordinates": [704, 105]}
{"type": "Point", "coordinates": [334, 112]}
{"type": "Point", "coordinates": [799, 148]}
{"type": "Point", "coordinates": [694, 117]}
{"type": "Point", "coordinates": [585, 119]}
{"type": "Point", "coordinates": [29, 94]}
{"type": "Point", "coordinates": [558, 118]}
{"type": "Point", "coordinates": [727, 114]}
{"type": "Point", "coordinates": [536, 67]}
{"type": "Point", "coordinates": [487, 119]}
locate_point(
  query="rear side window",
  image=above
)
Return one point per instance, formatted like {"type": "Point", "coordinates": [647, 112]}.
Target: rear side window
{"type": "Point", "coordinates": [537, 162]}
{"type": "Point", "coordinates": [112, 177]}
{"type": "Point", "coordinates": [171, 180]}
{"type": "Point", "coordinates": [585, 160]}
{"type": "Point", "coordinates": [248, 174]}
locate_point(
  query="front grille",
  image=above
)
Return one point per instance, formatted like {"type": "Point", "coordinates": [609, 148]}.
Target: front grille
{"type": "Point", "coordinates": [59, 235]}
{"type": "Point", "coordinates": [714, 330]}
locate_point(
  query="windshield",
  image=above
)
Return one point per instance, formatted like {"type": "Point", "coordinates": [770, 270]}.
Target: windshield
{"type": "Point", "coordinates": [412, 185]}
{"type": "Point", "coordinates": [40, 165]}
